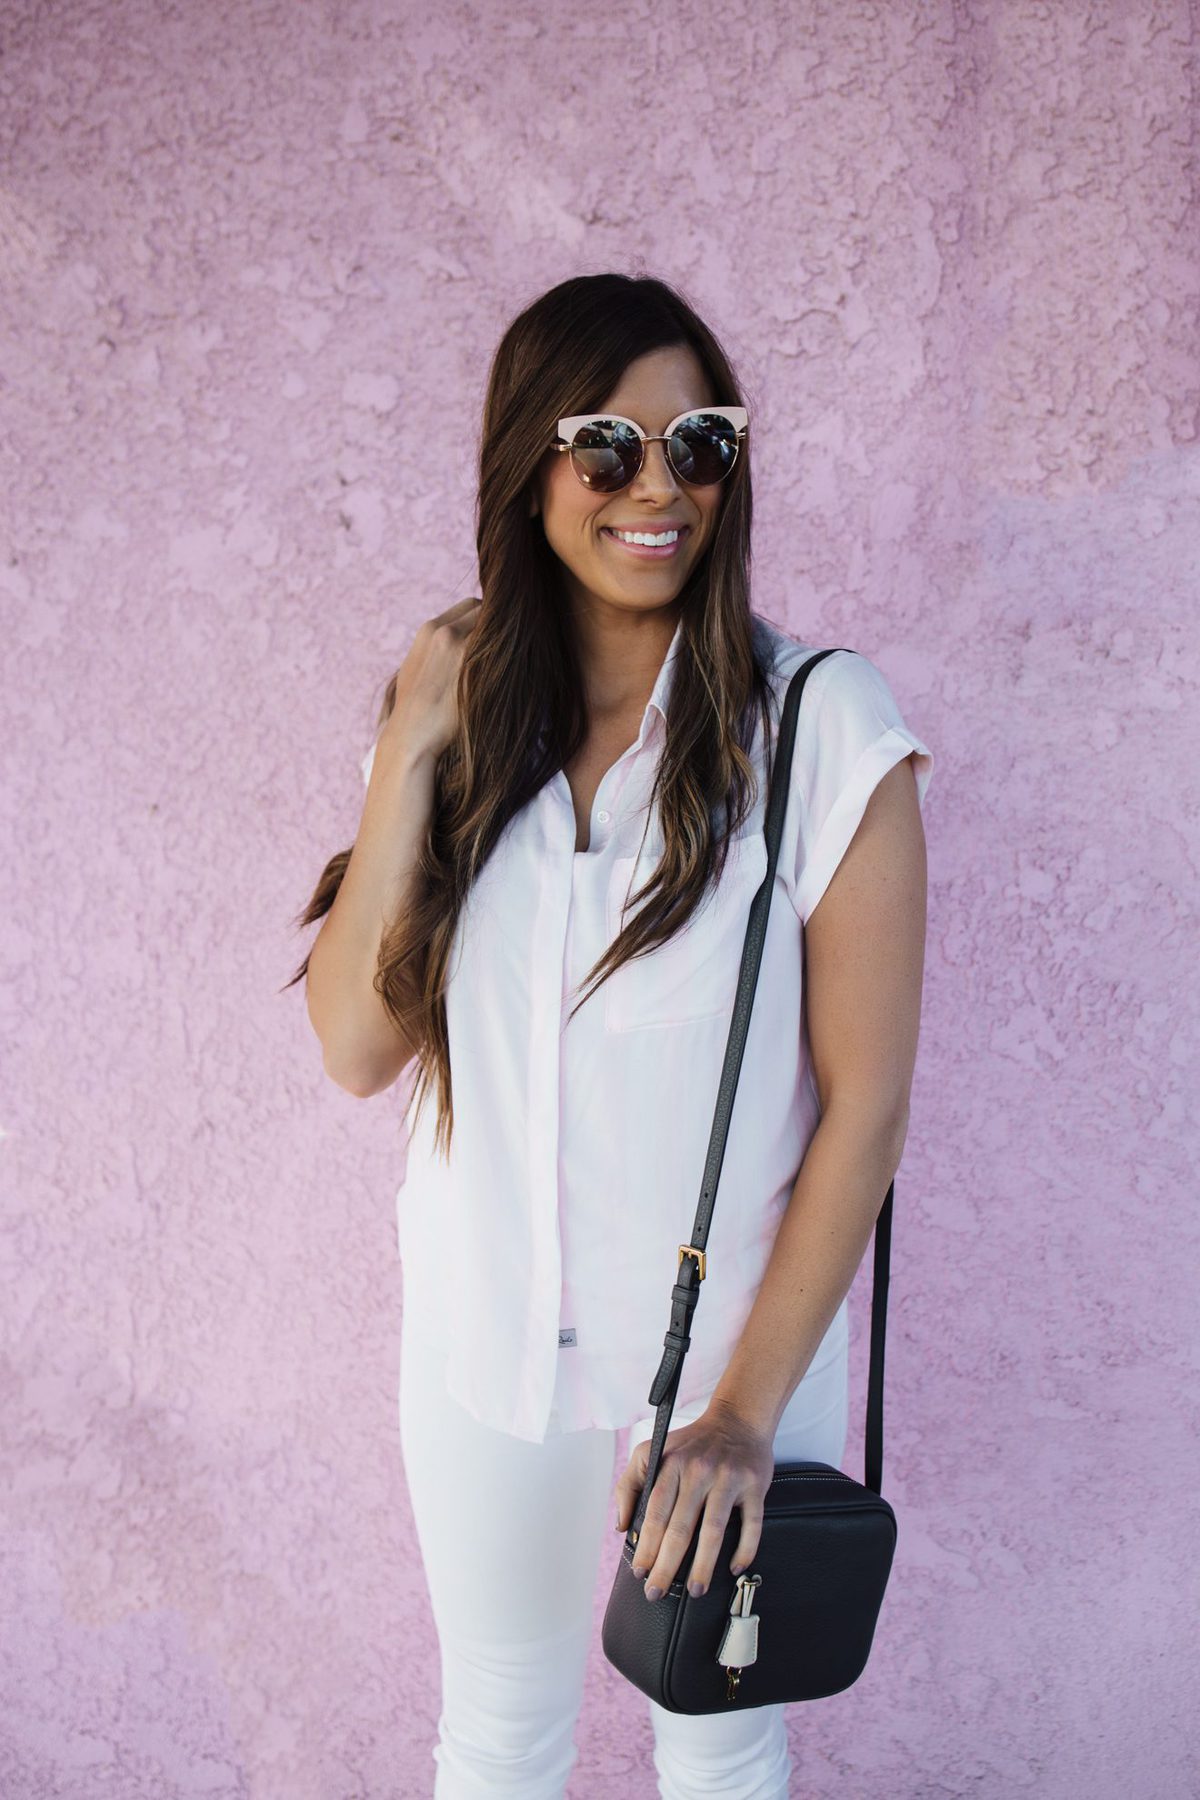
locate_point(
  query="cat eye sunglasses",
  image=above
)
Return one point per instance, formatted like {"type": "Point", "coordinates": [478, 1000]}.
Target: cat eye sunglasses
{"type": "Point", "coordinates": [607, 451]}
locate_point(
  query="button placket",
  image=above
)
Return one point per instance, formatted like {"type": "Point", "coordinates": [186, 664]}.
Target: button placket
{"type": "Point", "coordinates": [549, 929]}
{"type": "Point", "coordinates": [606, 814]}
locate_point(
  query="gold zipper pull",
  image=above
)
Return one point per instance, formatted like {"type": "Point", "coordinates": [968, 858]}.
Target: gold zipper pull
{"type": "Point", "coordinates": [739, 1642]}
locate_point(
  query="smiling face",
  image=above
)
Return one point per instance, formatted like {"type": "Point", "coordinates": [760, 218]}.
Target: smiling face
{"type": "Point", "coordinates": [581, 525]}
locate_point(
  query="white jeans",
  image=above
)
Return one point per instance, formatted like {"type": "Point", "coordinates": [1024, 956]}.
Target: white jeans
{"type": "Point", "coordinates": [511, 1535]}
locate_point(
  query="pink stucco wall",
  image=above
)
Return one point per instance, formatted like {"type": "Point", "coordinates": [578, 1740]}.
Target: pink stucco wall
{"type": "Point", "coordinates": [253, 260]}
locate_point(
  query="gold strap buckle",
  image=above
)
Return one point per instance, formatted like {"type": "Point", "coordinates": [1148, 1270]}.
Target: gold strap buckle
{"type": "Point", "coordinates": [691, 1250]}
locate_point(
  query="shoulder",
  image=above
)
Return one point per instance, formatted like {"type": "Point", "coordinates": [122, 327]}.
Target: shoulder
{"type": "Point", "coordinates": [850, 729]}
{"type": "Point", "coordinates": [844, 679]}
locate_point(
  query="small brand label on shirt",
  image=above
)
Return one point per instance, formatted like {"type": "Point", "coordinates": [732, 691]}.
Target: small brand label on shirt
{"type": "Point", "coordinates": [566, 1336]}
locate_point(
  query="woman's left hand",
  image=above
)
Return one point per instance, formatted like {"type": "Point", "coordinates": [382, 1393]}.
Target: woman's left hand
{"type": "Point", "coordinates": [710, 1466]}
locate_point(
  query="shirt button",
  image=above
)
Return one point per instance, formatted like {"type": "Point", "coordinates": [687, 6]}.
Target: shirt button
{"type": "Point", "coordinates": [604, 817]}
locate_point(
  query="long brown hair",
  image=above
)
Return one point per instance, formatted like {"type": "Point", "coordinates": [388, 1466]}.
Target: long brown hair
{"type": "Point", "coordinates": [521, 709]}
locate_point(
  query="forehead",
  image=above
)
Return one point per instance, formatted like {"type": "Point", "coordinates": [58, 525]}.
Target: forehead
{"type": "Point", "coordinates": [656, 387]}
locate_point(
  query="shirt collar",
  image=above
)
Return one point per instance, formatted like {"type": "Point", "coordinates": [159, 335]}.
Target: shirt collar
{"type": "Point", "coordinates": [661, 692]}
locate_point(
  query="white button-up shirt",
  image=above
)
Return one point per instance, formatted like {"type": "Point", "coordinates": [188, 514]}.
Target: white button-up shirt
{"type": "Point", "coordinates": [541, 1257]}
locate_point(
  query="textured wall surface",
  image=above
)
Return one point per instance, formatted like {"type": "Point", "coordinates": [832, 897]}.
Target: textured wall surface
{"type": "Point", "coordinates": [254, 260]}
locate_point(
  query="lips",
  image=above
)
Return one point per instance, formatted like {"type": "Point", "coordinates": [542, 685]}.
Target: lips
{"type": "Point", "coordinates": [648, 553]}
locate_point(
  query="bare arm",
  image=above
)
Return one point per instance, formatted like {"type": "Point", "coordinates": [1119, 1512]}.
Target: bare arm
{"type": "Point", "coordinates": [364, 1051]}
{"type": "Point", "coordinates": [865, 966]}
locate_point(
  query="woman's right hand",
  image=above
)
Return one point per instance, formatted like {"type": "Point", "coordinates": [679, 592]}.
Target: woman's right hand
{"type": "Point", "coordinates": [424, 689]}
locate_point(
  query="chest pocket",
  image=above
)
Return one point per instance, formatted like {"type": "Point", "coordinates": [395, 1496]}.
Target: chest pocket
{"type": "Point", "coordinates": [693, 975]}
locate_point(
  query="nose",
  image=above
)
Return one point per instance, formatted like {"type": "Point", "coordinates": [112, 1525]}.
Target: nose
{"type": "Point", "coordinates": [656, 475]}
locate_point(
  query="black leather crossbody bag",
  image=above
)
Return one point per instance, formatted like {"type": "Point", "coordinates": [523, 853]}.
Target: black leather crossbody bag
{"type": "Point", "coordinates": [799, 1622]}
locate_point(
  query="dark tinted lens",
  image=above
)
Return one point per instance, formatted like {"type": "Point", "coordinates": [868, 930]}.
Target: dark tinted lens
{"type": "Point", "coordinates": [703, 448]}
{"type": "Point", "coordinates": [606, 454]}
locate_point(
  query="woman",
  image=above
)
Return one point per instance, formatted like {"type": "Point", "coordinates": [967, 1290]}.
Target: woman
{"type": "Point", "coordinates": [543, 911]}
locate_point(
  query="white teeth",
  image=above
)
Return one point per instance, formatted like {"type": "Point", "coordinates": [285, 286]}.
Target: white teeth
{"type": "Point", "coordinates": [646, 537]}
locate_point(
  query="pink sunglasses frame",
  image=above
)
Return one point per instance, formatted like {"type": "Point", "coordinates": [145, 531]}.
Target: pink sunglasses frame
{"type": "Point", "coordinates": [738, 417]}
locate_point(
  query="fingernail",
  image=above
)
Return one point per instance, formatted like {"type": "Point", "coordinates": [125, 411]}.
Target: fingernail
{"type": "Point", "coordinates": [653, 1593]}
{"type": "Point", "coordinates": [695, 1589]}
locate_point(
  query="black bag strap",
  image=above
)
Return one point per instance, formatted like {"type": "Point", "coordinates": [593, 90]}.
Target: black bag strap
{"type": "Point", "coordinates": [686, 1290]}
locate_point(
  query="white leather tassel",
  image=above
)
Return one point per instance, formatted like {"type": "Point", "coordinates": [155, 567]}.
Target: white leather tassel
{"type": "Point", "coordinates": [739, 1644]}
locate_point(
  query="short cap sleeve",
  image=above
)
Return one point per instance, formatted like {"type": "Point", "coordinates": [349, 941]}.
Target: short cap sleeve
{"type": "Point", "coordinates": [849, 733]}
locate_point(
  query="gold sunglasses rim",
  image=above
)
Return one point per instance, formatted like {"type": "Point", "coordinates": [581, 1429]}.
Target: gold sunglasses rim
{"type": "Point", "coordinates": [578, 420]}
